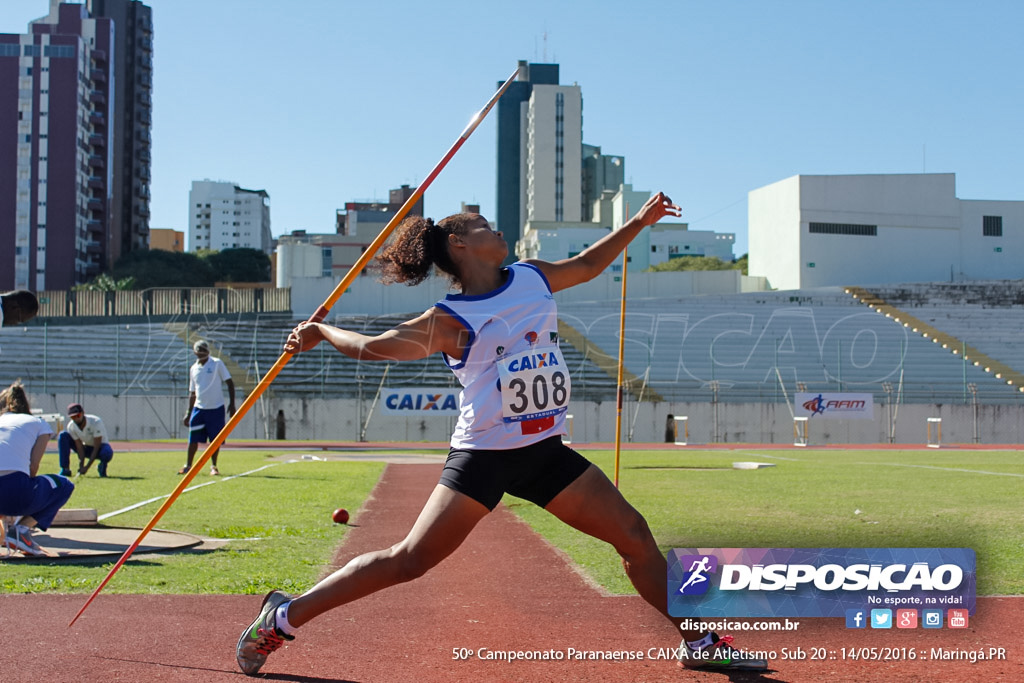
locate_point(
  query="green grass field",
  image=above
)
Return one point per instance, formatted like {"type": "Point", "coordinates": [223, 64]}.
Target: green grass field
{"type": "Point", "coordinates": [281, 534]}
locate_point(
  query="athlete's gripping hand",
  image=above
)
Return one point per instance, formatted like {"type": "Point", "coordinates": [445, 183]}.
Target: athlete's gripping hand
{"type": "Point", "coordinates": [304, 337]}
{"type": "Point", "coordinates": [657, 207]}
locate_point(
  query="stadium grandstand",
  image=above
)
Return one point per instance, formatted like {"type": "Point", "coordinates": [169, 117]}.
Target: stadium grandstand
{"type": "Point", "coordinates": [935, 345]}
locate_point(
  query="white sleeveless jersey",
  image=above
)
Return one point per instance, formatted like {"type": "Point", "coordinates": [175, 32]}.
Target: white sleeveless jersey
{"type": "Point", "coordinates": [515, 382]}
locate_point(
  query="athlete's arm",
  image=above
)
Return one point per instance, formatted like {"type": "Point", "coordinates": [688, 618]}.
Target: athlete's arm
{"type": "Point", "coordinates": [589, 263]}
{"type": "Point", "coordinates": [36, 457]}
{"type": "Point", "coordinates": [418, 338]}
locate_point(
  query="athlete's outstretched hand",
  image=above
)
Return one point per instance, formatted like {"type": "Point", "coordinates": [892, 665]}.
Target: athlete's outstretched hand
{"type": "Point", "coordinates": [656, 208]}
{"type": "Point", "coordinates": [304, 337]}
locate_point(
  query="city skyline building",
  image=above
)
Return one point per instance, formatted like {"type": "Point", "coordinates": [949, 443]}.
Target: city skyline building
{"type": "Point", "coordinates": [167, 239]}
{"type": "Point", "coordinates": [552, 155]}
{"type": "Point", "coordinates": [223, 215]}
{"type": "Point", "coordinates": [364, 218]}
{"type": "Point", "coordinates": [509, 122]}
{"type": "Point", "coordinates": [55, 158]}
{"type": "Point", "coordinates": [601, 173]}
{"type": "Point", "coordinates": [132, 122]}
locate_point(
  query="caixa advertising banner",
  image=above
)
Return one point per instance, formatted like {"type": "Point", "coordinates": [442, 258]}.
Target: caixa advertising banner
{"type": "Point", "coordinates": [835, 405]}
{"type": "Point", "coordinates": [420, 402]}
{"type": "Point", "coordinates": [817, 582]}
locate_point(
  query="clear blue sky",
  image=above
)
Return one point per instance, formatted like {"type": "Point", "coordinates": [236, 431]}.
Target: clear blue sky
{"type": "Point", "coordinates": [325, 101]}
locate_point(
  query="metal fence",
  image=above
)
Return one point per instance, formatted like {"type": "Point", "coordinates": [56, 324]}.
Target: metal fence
{"type": "Point", "coordinates": [163, 302]}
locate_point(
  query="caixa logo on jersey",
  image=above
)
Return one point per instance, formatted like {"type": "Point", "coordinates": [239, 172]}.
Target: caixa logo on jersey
{"type": "Point", "coordinates": [816, 582]}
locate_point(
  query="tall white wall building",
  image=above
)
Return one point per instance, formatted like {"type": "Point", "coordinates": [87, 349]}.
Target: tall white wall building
{"type": "Point", "coordinates": [223, 215]}
{"type": "Point", "coordinates": [814, 231]}
{"type": "Point", "coordinates": [552, 154]}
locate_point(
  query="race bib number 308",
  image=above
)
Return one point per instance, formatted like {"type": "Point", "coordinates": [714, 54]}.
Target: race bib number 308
{"type": "Point", "coordinates": [534, 384]}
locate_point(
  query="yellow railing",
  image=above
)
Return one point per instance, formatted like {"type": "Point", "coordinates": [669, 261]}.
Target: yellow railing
{"type": "Point", "coordinates": [952, 344]}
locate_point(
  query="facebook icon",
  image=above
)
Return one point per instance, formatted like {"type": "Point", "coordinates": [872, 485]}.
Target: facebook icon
{"type": "Point", "coordinates": [855, 618]}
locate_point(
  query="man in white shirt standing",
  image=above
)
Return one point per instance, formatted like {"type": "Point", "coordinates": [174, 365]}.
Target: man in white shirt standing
{"type": "Point", "coordinates": [205, 417]}
{"type": "Point", "coordinates": [86, 435]}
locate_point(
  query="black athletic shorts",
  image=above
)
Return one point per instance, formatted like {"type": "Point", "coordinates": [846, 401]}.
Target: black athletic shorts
{"type": "Point", "coordinates": [536, 473]}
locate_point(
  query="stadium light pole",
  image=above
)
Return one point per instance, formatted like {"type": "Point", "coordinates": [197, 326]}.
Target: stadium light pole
{"type": "Point", "coordinates": [318, 316]}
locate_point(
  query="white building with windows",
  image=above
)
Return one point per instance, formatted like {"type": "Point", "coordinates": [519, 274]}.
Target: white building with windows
{"type": "Point", "coordinates": [223, 215]}
{"type": "Point", "coordinates": [556, 240]}
{"type": "Point", "coordinates": [815, 231]}
{"type": "Point", "coordinates": [552, 154]}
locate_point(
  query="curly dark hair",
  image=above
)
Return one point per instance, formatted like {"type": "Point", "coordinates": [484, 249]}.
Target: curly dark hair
{"type": "Point", "coordinates": [13, 399]}
{"type": "Point", "coordinates": [420, 244]}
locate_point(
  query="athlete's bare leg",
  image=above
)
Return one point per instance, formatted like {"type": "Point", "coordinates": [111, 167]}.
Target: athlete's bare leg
{"type": "Point", "coordinates": [442, 525]}
{"type": "Point", "coordinates": [594, 506]}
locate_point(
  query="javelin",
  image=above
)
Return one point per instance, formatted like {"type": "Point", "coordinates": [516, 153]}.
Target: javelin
{"type": "Point", "coordinates": [622, 337]}
{"type": "Point", "coordinates": [318, 316]}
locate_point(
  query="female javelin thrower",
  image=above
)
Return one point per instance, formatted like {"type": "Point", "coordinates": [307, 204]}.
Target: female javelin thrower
{"type": "Point", "coordinates": [499, 336]}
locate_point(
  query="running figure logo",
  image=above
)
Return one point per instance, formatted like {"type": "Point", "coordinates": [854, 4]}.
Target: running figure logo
{"type": "Point", "coordinates": [816, 405]}
{"type": "Point", "coordinates": [696, 580]}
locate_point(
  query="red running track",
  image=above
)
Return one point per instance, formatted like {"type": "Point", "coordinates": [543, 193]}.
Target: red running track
{"type": "Point", "coordinates": [505, 589]}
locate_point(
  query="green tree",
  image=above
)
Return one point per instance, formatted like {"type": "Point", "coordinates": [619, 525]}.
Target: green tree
{"type": "Point", "coordinates": [238, 265]}
{"type": "Point", "coordinates": [104, 283]}
{"type": "Point", "coordinates": [158, 268]}
{"type": "Point", "coordinates": [699, 263]}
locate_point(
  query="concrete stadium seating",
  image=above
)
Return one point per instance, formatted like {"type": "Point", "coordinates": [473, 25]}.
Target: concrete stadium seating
{"type": "Point", "coordinates": [759, 347]}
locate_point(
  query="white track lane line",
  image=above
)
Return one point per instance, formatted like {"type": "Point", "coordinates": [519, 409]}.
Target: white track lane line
{"type": "Point", "coordinates": [943, 469]}
{"type": "Point", "coordinates": [898, 464]}
{"type": "Point", "coordinates": [100, 518]}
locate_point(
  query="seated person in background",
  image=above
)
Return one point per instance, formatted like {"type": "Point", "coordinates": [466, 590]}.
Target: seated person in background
{"type": "Point", "coordinates": [87, 436]}
{"type": "Point", "coordinates": [36, 499]}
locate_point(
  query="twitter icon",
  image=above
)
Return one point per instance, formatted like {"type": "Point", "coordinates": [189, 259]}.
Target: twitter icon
{"type": "Point", "coordinates": [881, 618]}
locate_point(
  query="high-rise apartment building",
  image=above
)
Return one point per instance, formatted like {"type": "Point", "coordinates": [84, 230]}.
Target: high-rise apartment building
{"type": "Point", "coordinates": [223, 215]}
{"type": "Point", "coordinates": [552, 137]}
{"type": "Point", "coordinates": [55, 142]}
{"type": "Point", "coordinates": [510, 115]}
{"type": "Point", "coordinates": [601, 173]}
{"type": "Point", "coordinates": [132, 120]}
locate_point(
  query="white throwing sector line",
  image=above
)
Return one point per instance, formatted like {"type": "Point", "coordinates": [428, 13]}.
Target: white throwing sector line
{"type": "Point", "coordinates": [899, 464]}
{"type": "Point", "coordinates": [190, 488]}
{"type": "Point", "coordinates": [941, 469]}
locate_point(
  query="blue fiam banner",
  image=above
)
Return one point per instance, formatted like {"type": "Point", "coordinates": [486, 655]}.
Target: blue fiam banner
{"type": "Point", "coordinates": [817, 582]}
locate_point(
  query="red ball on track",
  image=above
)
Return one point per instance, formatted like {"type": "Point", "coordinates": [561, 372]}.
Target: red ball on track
{"type": "Point", "coordinates": [340, 516]}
